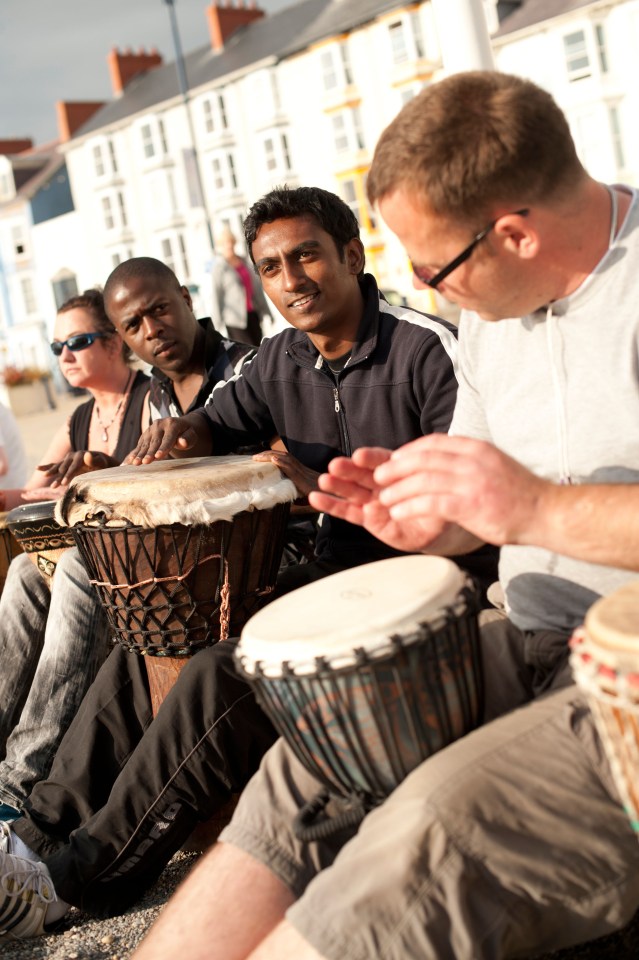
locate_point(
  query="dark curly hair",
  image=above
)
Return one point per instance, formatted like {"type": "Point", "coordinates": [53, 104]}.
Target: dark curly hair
{"type": "Point", "coordinates": [331, 213]}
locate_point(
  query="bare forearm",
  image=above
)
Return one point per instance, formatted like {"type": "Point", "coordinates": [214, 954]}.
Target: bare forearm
{"type": "Point", "coordinates": [598, 523]}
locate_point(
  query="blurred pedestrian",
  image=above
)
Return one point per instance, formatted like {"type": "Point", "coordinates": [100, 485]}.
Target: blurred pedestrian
{"type": "Point", "coordinates": [256, 302]}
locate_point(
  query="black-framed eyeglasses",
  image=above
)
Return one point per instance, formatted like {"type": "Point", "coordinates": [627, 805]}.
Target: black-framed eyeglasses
{"type": "Point", "coordinates": [426, 275]}
{"type": "Point", "coordinates": [80, 341]}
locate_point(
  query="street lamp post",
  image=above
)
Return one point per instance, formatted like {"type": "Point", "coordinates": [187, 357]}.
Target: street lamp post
{"type": "Point", "coordinates": [463, 35]}
{"type": "Point", "coordinates": [184, 90]}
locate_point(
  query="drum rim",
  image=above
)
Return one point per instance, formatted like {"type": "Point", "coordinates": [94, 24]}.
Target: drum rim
{"type": "Point", "coordinates": [465, 603]}
{"type": "Point", "coordinates": [26, 512]}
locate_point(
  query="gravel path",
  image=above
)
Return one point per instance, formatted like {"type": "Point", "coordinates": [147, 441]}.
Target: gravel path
{"type": "Point", "coordinates": [82, 937]}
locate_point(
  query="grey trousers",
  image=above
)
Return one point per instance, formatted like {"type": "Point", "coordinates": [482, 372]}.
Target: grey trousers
{"type": "Point", "coordinates": [509, 843]}
{"type": "Point", "coordinates": [51, 646]}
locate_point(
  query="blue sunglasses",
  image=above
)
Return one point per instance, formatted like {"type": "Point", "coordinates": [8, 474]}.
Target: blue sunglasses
{"type": "Point", "coordinates": [80, 341]}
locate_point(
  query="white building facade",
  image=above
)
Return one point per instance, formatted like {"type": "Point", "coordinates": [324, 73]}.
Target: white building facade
{"type": "Point", "coordinates": [301, 97]}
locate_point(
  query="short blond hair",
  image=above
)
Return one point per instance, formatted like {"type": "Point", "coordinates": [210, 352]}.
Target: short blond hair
{"type": "Point", "coordinates": [474, 140]}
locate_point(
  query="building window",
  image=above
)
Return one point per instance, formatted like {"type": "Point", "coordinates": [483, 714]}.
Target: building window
{"type": "Point", "coordinates": [174, 255]}
{"type": "Point", "coordinates": [114, 214]}
{"type": "Point", "coordinates": [107, 213]}
{"type": "Point", "coordinates": [399, 49]}
{"type": "Point", "coordinates": [154, 138]}
{"type": "Point", "coordinates": [600, 34]}
{"type": "Point", "coordinates": [214, 110]}
{"type": "Point", "coordinates": [28, 295]}
{"type": "Point", "coordinates": [224, 175]}
{"type": "Point", "coordinates": [6, 186]}
{"type": "Point", "coordinates": [98, 162]}
{"type": "Point", "coordinates": [277, 157]}
{"type": "Point", "coordinates": [329, 71]}
{"type": "Point", "coordinates": [19, 241]}
{"type": "Point", "coordinates": [120, 255]}
{"type": "Point", "coordinates": [336, 68]}
{"type": "Point", "coordinates": [418, 37]}
{"type": "Point", "coordinates": [354, 194]}
{"type": "Point", "coordinates": [576, 53]}
{"type": "Point", "coordinates": [104, 159]}
{"type": "Point", "coordinates": [347, 130]}
{"type": "Point", "coordinates": [64, 288]}
{"type": "Point", "coordinates": [617, 140]}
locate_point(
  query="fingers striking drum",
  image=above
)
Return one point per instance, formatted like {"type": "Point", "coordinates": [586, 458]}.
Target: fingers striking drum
{"type": "Point", "coordinates": [368, 672]}
{"type": "Point", "coordinates": [182, 552]}
{"type": "Point", "coordinates": [605, 665]}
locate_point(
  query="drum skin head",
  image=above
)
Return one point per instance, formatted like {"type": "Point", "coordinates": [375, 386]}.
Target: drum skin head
{"type": "Point", "coordinates": [357, 608]}
{"type": "Point", "coordinates": [188, 491]}
{"type": "Point", "coordinates": [612, 625]}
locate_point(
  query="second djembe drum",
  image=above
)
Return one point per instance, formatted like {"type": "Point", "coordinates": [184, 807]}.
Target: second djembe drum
{"type": "Point", "coordinates": [366, 674]}
{"type": "Point", "coordinates": [40, 536]}
{"type": "Point", "coordinates": [182, 552]}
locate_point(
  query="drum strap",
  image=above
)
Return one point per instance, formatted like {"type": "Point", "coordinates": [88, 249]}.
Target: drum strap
{"type": "Point", "coordinates": [308, 826]}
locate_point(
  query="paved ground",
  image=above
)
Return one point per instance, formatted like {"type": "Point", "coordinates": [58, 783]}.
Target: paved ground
{"type": "Point", "coordinates": [38, 428]}
{"type": "Point", "coordinates": [81, 938]}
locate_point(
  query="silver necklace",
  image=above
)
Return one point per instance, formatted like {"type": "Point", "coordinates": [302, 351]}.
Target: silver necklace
{"type": "Point", "coordinates": [106, 426]}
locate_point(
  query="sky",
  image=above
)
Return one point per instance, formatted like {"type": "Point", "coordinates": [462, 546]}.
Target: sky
{"type": "Point", "coordinates": [57, 50]}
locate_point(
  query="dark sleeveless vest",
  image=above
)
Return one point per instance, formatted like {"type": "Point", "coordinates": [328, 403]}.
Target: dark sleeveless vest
{"type": "Point", "coordinates": [129, 428]}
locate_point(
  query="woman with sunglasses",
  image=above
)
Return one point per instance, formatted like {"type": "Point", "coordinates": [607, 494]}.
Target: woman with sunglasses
{"type": "Point", "coordinates": [47, 675]}
{"type": "Point", "coordinates": [101, 431]}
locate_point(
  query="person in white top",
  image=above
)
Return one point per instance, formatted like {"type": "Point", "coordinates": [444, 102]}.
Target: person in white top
{"type": "Point", "coordinates": [13, 458]}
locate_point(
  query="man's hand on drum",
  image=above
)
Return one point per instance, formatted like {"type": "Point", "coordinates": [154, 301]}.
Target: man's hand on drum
{"type": "Point", "coordinates": [81, 461]}
{"type": "Point", "coordinates": [173, 436]}
{"type": "Point", "coordinates": [305, 479]}
{"type": "Point", "coordinates": [468, 483]}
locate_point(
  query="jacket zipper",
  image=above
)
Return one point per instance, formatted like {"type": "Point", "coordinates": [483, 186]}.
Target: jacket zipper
{"type": "Point", "coordinates": [342, 420]}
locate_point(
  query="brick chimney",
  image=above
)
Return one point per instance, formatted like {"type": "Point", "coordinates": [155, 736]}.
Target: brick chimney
{"type": "Point", "coordinates": [72, 114]}
{"type": "Point", "coordinates": [15, 146]}
{"type": "Point", "coordinates": [224, 19]}
{"type": "Point", "coordinates": [125, 65]}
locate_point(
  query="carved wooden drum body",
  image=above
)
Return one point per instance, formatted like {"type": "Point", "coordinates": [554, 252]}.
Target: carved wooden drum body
{"type": "Point", "coordinates": [182, 552]}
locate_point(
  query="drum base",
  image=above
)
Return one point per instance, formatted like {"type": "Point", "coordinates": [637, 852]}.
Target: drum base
{"type": "Point", "coordinates": [162, 673]}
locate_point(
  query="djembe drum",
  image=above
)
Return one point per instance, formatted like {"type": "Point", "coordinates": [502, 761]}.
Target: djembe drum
{"type": "Point", "coordinates": [40, 535]}
{"type": "Point", "coordinates": [605, 665]}
{"type": "Point", "coordinates": [366, 673]}
{"type": "Point", "coordinates": [9, 548]}
{"type": "Point", "coordinates": [182, 552]}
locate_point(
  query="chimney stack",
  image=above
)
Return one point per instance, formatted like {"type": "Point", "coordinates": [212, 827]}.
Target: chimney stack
{"type": "Point", "coordinates": [125, 65]}
{"type": "Point", "coordinates": [11, 147]}
{"type": "Point", "coordinates": [225, 19]}
{"type": "Point", "coordinates": [72, 114]}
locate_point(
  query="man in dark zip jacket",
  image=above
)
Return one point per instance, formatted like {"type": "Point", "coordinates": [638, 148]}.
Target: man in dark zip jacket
{"type": "Point", "coordinates": [352, 371]}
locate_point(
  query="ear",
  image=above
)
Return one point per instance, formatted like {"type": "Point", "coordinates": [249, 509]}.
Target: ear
{"type": "Point", "coordinates": [519, 235]}
{"type": "Point", "coordinates": [114, 344]}
{"type": "Point", "coordinates": [186, 295]}
{"type": "Point", "coordinates": [355, 256]}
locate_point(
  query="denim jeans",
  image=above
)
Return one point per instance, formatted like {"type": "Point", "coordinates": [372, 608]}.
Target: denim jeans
{"type": "Point", "coordinates": [51, 646]}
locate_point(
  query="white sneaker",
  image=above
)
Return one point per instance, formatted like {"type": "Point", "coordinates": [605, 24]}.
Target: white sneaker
{"type": "Point", "coordinates": [26, 890]}
{"type": "Point", "coordinates": [6, 844]}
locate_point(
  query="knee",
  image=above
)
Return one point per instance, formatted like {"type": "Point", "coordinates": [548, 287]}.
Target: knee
{"type": "Point", "coordinates": [70, 565]}
{"type": "Point", "coordinates": [22, 579]}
